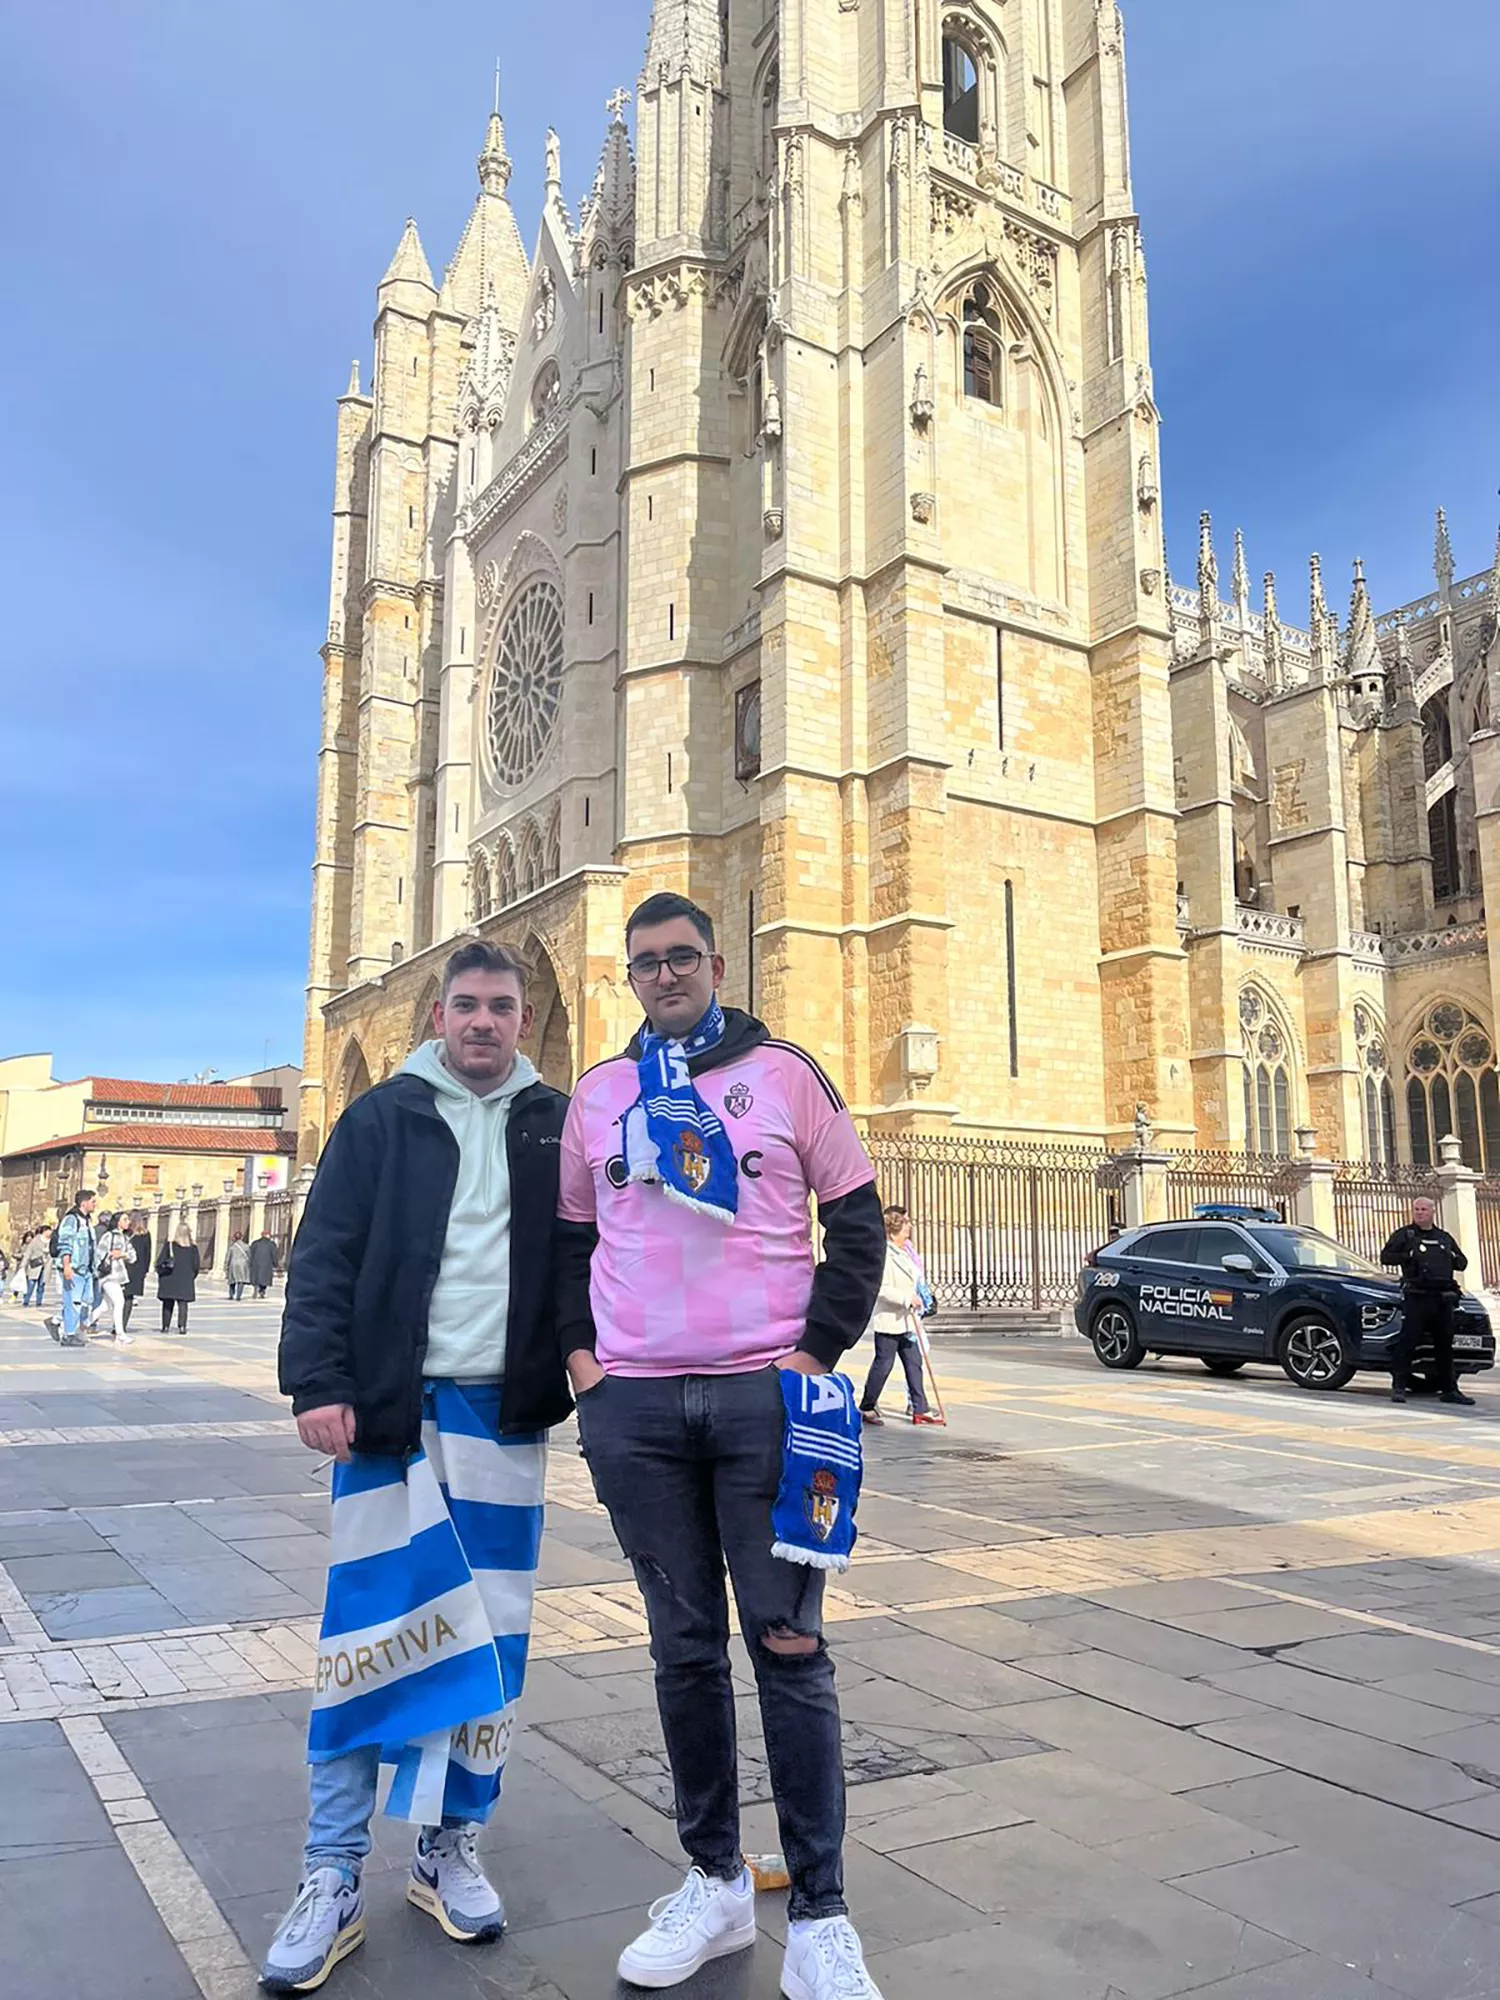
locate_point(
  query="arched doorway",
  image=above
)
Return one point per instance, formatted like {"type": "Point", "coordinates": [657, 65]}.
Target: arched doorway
{"type": "Point", "coordinates": [354, 1078]}
{"type": "Point", "coordinates": [551, 1043]}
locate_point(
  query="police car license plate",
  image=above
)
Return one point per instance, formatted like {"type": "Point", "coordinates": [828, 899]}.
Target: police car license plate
{"type": "Point", "coordinates": [1468, 1341]}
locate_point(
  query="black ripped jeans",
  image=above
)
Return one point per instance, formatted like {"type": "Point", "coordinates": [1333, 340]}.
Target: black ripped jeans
{"type": "Point", "coordinates": [688, 1467]}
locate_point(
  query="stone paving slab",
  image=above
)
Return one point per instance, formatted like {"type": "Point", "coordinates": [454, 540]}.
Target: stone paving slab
{"type": "Point", "coordinates": [1049, 1634]}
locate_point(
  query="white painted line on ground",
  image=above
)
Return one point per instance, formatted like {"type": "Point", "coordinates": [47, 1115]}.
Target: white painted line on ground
{"type": "Point", "coordinates": [192, 1919]}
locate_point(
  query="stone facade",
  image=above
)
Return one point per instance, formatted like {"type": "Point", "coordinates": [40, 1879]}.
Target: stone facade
{"type": "Point", "coordinates": [786, 529]}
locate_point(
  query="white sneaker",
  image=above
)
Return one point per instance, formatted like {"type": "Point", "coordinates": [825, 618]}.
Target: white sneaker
{"type": "Point", "coordinates": [449, 1884]}
{"type": "Point", "coordinates": [705, 1919]}
{"type": "Point", "coordinates": [322, 1927]}
{"type": "Point", "coordinates": [825, 1961]}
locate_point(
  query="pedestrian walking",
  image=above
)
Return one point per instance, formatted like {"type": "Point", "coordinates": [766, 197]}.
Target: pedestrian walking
{"type": "Point", "coordinates": [140, 1270]}
{"type": "Point", "coordinates": [177, 1271]}
{"type": "Point", "coordinates": [237, 1266]}
{"type": "Point", "coordinates": [1429, 1260]}
{"type": "Point", "coordinates": [419, 1349]}
{"type": "Point", "coordinates": [75, 1263]}
{"type": "Point", "coordinates": [701, 1335]}
{"type": "Point", "coordinates": [115, 1256]}
{"type": "Point", "coordinates": [265, 1262]}
{"type": "Point", "coordinates": [35, 1262]}
{"type": "Point", "coordinates": [894, 1324]}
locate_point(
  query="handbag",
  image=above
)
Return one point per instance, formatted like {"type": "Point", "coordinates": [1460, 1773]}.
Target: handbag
{"type": "Point", "coordinates": [164, 1266]}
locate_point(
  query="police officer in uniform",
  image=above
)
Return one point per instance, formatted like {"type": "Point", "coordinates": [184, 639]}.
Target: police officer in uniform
{"type": "Point", "coordinates": [1429, 1259]}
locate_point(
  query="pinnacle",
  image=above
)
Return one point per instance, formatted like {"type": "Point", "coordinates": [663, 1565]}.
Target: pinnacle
{"type": "Point", "coordinates": [410, 261]}
{"type": "Point", "coordinates": [494, 162]}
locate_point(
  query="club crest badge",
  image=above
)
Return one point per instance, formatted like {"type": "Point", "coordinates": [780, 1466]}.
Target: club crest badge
{"type": "Point", "coordinates": [738, 1100]}
{"type": "Point", "coordinates": [821, 1503]}
{"type": "Point", "coordinates": [692, 1161]}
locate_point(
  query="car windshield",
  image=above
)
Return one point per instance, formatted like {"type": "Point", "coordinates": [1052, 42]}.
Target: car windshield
{"type": "Point", "coordinates": [1310, 1250]}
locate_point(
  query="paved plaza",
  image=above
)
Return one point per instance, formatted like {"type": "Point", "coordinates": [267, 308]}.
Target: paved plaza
{"type": "Point", "coordinates": [1152, 1684]}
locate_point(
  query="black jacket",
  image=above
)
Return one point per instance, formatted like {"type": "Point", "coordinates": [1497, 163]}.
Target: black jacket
{"type": "Point", "coordinates": [845, 1283]}
{"type": "Point", "coordinates": [140, 1270]}
{"type": "Point", "coordinates": [362, 1270]}
{"type": "Point", "coordinates": [1428, 1258]}
{"type": "Point", "coordinates": [180, 1284]}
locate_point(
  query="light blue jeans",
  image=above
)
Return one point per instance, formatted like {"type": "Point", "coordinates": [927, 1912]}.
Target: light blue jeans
{"type": "Point", "coordinates": [341, 1803]}
{"type": "Point", "coordinates": [77, 1298]}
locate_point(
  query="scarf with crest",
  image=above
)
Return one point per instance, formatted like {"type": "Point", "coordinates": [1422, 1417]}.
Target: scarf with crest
{"type": "Point", "coordinates": [671, 1138]}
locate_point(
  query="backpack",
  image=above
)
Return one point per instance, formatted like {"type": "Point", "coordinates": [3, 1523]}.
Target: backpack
{"type": "Point", "coordinates": [54, 1246]}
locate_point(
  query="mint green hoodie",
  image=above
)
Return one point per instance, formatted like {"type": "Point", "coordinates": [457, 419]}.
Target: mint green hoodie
{"type": "Point", "coordinates": [471, 1299]}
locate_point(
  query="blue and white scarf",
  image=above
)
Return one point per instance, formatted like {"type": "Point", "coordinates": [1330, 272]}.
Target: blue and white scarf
{"type": "Point", "coordinates": [671, 1138]}
{"type": "Point", "coordinates": [428, 1616]}
{"type": "Point", "coordinates": [822, 1462]}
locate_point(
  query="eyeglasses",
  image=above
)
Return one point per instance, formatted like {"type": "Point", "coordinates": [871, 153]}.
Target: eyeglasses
{"type": "Point", "coordinates": [681, 961]}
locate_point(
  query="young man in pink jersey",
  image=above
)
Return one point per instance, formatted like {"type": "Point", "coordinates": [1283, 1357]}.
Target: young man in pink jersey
{"type": "Point", "coordinates": [687, 1280]}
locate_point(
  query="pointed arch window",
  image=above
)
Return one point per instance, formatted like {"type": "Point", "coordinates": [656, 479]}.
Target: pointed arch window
{"type": "Point", "coordinates": [546, 393]}
{"type": "Point", "coordinates": [1437, 734]}
{"type": "Point", "coordinates": [960, 87]}
{"type": "Point", "coordinates": [1377, 1098]}
{"type": "Point", "coordinates": [982, 331]}
{"type": "Point", "coordinates": [1442, 842]}
{"type": "Point", "coordinates": [1267, 1076]}
{"type": "Point", "coordinates": [553, 859]}
{"type": "Point", "coordinates": [505, 875]}
{"type": "Point", "coordinates": [1451, 1087]}
{"type": "Point", "coordinates": [480, 904]}
{"type": "Point", "coordinates": [530, 863]}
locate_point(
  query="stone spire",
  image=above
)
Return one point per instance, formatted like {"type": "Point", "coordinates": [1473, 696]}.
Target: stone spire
{"type": "Point", "coordinates": [1362, 662]}
{"type": "Point", "coordinates": [494, 161]}
{"type": "Point", "coordinates": [1208, 585]}
{"type": "Point", "coordinates": [552, 182]}
{"type": "Point", "coordinates": [1318, 622]}
{"type": "Point", "coordinates": [353, 388]}
{"type": "Point", "coordinates": [409, 265]}
{"type": "Point", "coordinates": [1275, 642]}
{"type": "Point", "coordinates": [1404, 681]}
{"type": "Point", "coordinates": [1442, 563]}
{"type": "Point", "coordinates": [685, 38]}
{"type": "Point", "coordinates": [490, 257]}
{"type": "Point", "coordinates": [606, 221]}
{"type": "Point", "coordinates": [1241, 583]}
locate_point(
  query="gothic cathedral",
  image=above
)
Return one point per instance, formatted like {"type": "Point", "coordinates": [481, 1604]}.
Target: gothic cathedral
{"type": "Point", "coordinates": [786, 530]}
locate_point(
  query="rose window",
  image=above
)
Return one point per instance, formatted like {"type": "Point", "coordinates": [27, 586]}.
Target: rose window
{"type": "Point", "coordinates": [525, 684]}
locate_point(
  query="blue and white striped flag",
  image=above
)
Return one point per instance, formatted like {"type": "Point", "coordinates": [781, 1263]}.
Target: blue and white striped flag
{"type": "Point", "coordinates": [428, 1616]}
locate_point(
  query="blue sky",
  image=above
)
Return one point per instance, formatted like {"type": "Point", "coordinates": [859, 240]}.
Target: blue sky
{"type": "Point", "coordinates": [207, 197]}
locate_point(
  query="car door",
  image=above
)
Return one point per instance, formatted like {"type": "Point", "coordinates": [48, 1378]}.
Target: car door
{"type": "Point", "coordinates": [1232, 1303]}
{"type": "Point", "coordinates": [1164, 1276]}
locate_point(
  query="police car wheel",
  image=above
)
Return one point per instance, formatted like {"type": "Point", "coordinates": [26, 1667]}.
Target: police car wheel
{"type": "Point", "coordinates": [1314, 1357]}
{"type": "Point", "coordinates": [1221, 1364]}
{"type": "Point", "coordinates": [1116, 1342]}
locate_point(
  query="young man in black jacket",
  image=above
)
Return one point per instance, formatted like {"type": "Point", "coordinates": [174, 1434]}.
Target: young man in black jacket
{"type": "Point", "coordinates": [424, 1260]}
{"type": "Point", "coordinates": [688, 1279]}
{"type": "Point", "coordinates": [1429, 1258]}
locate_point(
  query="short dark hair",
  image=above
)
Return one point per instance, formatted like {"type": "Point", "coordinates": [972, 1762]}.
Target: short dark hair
{"type": "Point", "coordinates": [481, 957]}
{"type": "Point", "coordinates": [661, 909]}
{"type": "Point", "coordinates": [83, 1195]}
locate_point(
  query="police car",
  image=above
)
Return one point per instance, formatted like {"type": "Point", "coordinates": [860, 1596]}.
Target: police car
{"type": "Point", "coordinates": [1231, 1291]}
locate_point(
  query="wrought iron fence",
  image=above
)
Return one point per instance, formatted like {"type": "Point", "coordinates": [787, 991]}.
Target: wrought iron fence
{"type": "Point", "coordinates": [239, 1217]}
{"type": "Point", "coordinates": [999, 1225]}
{"type": "Point", "coordinates": [1371, 1201]}
{"type": "Point", "coordinates": [1487, 1203]}
{"type": "Point", "coordinates": [208, 1233]}
{"type": "Point", "coordinates": [279, 1223]}
{"type": "Point", "coordinates": [1264, 1180]}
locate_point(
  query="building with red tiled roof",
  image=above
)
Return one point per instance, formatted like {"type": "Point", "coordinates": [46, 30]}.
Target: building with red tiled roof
{"type": "Point", "coordinates": [135, 1142]}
